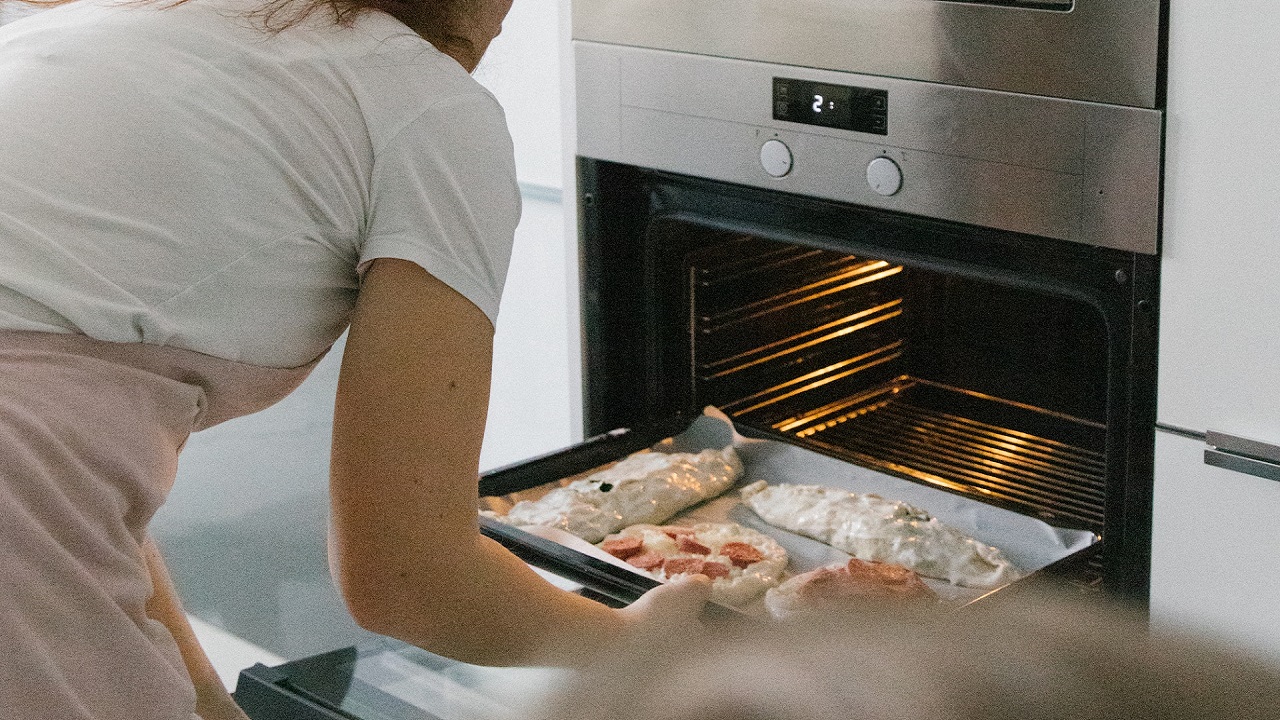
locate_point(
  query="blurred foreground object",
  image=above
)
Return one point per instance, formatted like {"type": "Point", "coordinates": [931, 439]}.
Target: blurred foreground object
{"type": "Point", "coordinates": [1040, 659]}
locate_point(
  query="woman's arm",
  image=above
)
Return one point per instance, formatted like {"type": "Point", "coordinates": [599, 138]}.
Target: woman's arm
{"type": "Point", "coordinates": [405, 547]}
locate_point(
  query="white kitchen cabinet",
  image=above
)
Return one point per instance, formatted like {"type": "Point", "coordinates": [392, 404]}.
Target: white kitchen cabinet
{"type": "Point", "coordinates": [1220, 270]}
{"type": "Point", "coordinates": [1216, 549]}
{"type": "Point", "coordinates": [1216, 544]}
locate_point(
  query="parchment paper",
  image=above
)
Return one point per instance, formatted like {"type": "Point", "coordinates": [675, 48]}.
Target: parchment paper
{"type": "Point", "coordinates": [1029, 543]}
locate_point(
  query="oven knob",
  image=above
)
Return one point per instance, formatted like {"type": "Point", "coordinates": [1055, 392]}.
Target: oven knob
{"type": "Point", "coordinates": [884, 176]}
{"type": "Point", "coordinates": [775, 158]}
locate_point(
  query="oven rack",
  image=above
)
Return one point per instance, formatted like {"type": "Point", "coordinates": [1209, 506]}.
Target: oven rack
{"type": "Point", "coordinates": [1038, 462]}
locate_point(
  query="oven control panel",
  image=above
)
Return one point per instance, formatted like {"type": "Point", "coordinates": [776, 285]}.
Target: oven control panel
{"type": "Point", "coordinates": [1064, 169]}
{"type": "Point", "coordinates": [835, 106]}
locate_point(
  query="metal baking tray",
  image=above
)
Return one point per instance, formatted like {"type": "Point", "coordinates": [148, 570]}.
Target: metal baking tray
{"type": "Point", "coordinates": [1034, 546]}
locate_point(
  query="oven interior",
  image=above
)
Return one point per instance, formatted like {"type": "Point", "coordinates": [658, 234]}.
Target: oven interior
{"type": "Point", "coordinates": [1013, 369]}
{"type": "Point", "coordinates": [969, 385]}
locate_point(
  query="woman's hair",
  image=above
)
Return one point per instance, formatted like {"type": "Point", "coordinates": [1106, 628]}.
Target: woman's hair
{"type": "Point", "coordinates": [1044, 660]}
{"type": "Point", "coordinates": [437, 21]}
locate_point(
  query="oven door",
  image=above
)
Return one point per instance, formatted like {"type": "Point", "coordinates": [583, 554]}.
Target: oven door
{"type": "Point", "coordinates": [1098, 50]}
{"type": "Point", "coordinates": [385, 679]}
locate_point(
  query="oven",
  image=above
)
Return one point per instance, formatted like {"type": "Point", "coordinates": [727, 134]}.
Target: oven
{"type": "Point", "coordinates": [920, 237]}
{"type": "Point", "coordinates": [953, 285]}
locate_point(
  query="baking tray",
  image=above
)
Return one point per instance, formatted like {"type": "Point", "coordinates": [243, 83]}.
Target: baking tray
{"type": "Point", "coordinates": [1031, 544]}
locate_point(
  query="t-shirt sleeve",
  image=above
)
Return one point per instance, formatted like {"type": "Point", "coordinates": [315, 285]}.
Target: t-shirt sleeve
{"type": "Point", "coordinates": [444, 195]}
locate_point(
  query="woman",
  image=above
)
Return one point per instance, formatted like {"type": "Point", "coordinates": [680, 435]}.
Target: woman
{"type": "Point", "coordinates": [196, 199]}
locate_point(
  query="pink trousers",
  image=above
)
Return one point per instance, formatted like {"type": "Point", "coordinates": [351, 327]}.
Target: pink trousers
{"type": "Point", "coordinates": [90, 433]}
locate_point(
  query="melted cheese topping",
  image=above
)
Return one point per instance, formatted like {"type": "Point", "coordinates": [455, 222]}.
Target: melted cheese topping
{"type": "Point", "coordinates": [742, 584]}
{"type": "Point", "coordinates": [870, 527]}
{"type": "Point", "coordinates": [646, 487]}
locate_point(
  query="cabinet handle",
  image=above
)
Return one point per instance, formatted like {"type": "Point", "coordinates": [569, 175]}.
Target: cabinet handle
{"type": "Point", "coordinates": [1251, 457]}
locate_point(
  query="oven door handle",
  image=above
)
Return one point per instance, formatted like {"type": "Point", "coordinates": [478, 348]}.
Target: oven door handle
{"type": "Point", "coordinates": [593, 573]}
{"type": "Point", "coordinates": [1243, 455]}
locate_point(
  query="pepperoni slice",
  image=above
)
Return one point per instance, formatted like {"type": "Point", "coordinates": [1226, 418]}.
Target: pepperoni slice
{"type": "Point", "coordinates": [887, 573]}
{"type": "Point", "coordinates": [860, 579]}
{"type": "Point", "coordinates": [879, 572]}
{"type": "Point", "coordinates": [675, 532]}
{"type": "Point", "coordinates": [677, 566]}
{"type": "Point", "coordinates": [695, 566]}
{"type": "Point", "coordinates": [741, 554]}
{"type": "Point", "coordinates": [715, 570]}
{"type": "Point", "coordinates": [624, 547]}
{"type": "Point", "coordinates": [689, 545]}
{"type": "Point", "coordinates": [830, 583]}
{"type": "Point", "coordinates": [646, 561]}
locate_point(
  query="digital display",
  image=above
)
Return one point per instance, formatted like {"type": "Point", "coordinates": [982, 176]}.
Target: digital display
{"type": "Point", "coordinates": [835, 106]}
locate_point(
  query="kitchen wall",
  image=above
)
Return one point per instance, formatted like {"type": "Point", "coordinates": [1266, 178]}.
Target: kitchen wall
{"type": "Point", "coordinates": [522, 69]}
{"type": "Point", "coordinates": [535, 403]}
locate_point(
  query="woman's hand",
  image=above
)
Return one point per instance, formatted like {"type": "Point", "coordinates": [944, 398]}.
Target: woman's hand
{"type": "Point", "coordinates": [671, 607]}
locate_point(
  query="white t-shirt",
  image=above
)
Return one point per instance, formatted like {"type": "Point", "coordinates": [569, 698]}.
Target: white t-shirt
{"type": "Point", "coordinates": [177, 176]}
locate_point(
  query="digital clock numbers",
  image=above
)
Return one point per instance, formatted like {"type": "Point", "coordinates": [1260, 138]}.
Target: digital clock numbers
{"type": "Point", "coordinates": [836, 106]}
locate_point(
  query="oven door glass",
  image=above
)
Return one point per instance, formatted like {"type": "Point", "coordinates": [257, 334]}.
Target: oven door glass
{"type": "Point", "coordinates": [388, 680]}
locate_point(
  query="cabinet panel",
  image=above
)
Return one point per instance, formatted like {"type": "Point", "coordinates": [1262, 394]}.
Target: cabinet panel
{"type": "Point", "coordinates": [1216, 549]}
{"type": "Point", "coordinates": [1220, 299]}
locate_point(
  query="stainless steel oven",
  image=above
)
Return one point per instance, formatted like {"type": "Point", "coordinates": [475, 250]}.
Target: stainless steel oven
{"type": "Point", "coordinates": [918, 236]}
